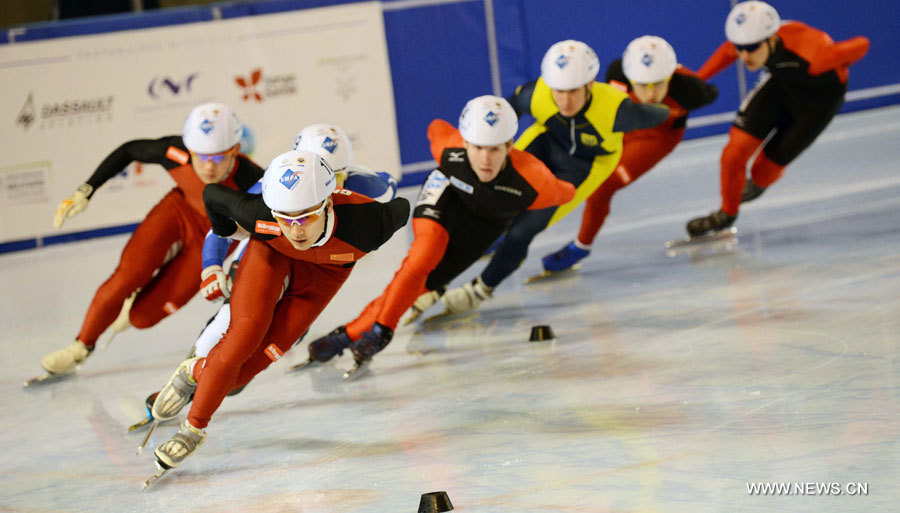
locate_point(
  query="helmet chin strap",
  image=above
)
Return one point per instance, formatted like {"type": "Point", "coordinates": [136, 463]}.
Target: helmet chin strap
{"type": "Point", "coordinates": [329, 229]}
{"type": "Point", "coordinates": [771, 46]}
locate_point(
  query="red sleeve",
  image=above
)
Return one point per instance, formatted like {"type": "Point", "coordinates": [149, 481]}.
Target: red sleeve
{"type": "Point", "coordinates": [820, 51]}
{"type": "Point", "coordinates": [840, 55]}
{"type": "Point", "coordinates": [443, 135]}
{"type": "Point", "coordinates": [724, 55]}
{"type": "Point", "coordinates": [551, 190]}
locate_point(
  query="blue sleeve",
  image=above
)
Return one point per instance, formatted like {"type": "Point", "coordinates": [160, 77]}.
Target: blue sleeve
{"type": "Point", "coordinates": [521, 99]}
{"type": "Point", "coordinates": [379, 186]}
{"type": "Point", "coordinates": [215, 249]}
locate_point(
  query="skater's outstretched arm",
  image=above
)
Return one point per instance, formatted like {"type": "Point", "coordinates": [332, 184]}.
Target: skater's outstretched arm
{"type": "Point", "coordinates": [228, 209]}
{"type": "Point", "coordinates": [521, 99]}
{"type": "Point", "coordinates": [443, 135]}
{"type": "Point", "coordinates": [724, 55]}
{"type": "Point", "coordinates": [638, 116]}
{"type": "Point", "coordinates": [168, 152]}
{"type": "Point", "coordinates": [690, 91]}
{"type": "Point", "coordinates": [551, 191]}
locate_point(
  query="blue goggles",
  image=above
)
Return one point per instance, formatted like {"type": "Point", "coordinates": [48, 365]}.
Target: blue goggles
{"type": "Point", "coordinates": [216, 158]}
{"type": "Point", "coordinates": [749, 48]}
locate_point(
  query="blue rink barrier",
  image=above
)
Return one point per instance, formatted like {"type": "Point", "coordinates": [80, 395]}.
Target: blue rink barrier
{"type": "Point", "coordinates": [37, 242]}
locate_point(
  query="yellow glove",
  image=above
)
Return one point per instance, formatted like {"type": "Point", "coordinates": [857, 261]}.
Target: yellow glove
{"type": "Point", "coordinates": [72, 205]}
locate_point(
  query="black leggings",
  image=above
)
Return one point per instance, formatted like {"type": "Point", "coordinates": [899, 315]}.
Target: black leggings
{"type": "Point", "coordinates": [797, 121]}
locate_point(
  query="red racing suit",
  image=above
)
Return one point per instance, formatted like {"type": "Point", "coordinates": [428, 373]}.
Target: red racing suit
{"type": "Point", "coordinates": [163, 256]}
{"type": "Point", "coordinates": [279, 290]}
{"type": "Point", "coordinates": [801, 91]}
{"type": "Point", "coordinates": [643, 149]}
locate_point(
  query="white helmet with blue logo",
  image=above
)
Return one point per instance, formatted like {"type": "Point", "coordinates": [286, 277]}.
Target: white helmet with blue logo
{"type": "Point", "coordinates": [328, 141]}
{"type": "Point", "coordinates": [297, 180]}
{"type": "Point", "coordinates": [751, 22]}
{"type": "Point", "coordinates": [488, 121]}
{"type": "Point", "coordinates": [648, 59]}
{"type": "Point", "coordinates": [211, 128]}
{"type": "Point", "coordinates": [569, 65]}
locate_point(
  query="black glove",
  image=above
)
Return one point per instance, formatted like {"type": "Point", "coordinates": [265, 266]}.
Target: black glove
{"type": "Point", "coordinates": [325, 348]}
{"type": "Point", "coordinates": [371, 342]}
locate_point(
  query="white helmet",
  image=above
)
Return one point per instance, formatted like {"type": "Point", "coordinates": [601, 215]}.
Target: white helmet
{"type": "Point", "coordinates": [648, 59]}
{"type": "Point", "coordinates": [569, 64]}
{"type": "Point", "coordinates": [328, 141]}
{"type": "Point", "coordinates": [751, 22]}
{"type": "Point", "coordinates": [211, 128]}
{"type": "Point", "coordinates": [297, 180]}
{"type": "Point", "coordinates": [488, 121]}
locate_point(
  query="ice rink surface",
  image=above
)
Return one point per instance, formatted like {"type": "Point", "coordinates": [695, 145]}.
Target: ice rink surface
{"type": "Point", "coordinates": [674, 383]}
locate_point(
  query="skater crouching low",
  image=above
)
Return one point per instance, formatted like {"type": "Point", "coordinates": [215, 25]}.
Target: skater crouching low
{"type": "Point", "coordinates": [480, 185]}
{"type": "Point", "coordinates": [802, 89]}
{"type": "Point", "coordinates": [306, 239]}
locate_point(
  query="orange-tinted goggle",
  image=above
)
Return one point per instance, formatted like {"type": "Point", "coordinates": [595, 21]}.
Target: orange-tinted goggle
{"type": "Point", "coordinates": [303, 219]}
{"type": "Point", "coordinates": [652, 85]}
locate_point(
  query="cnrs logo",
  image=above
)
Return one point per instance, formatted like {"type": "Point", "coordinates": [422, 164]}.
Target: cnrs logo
{"type": "Point", "coordinates": [170, 86]}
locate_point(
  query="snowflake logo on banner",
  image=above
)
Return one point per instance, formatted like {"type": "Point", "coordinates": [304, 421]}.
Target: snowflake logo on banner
{"type": "Point", "coordinates": [249, 84]}
{"type": "Point", "coordinates": [562, 61]}
{"type": "Point", "coordinates": [207, 126]}
{"type": "Point", "coordinates": [647, 60]}
{"type": "Point", "coordinates": [330, 144]}
{"type": "Point", "coordinates": [491, 118]}
{"type": "Point", "coordinates": [289, 179]}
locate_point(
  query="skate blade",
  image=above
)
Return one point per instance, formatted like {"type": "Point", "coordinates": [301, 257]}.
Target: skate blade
{"type": "Point", "coordinates": [303, 365]}
{"type": "Point", "coordinates": [359, 369]}
{"type": "Point", "coordinates": [140, 448]}
{"type": "Point", "coordinates": [160, 471]}
{"type": "Point", "coordinates": [447, 317]}
{"type": "Point", "coordinates": [700, 239]}
{"type": "Point", "coordinates": [547, 275]}
{"type": "Point", "coordinates": [46, 378]}
{"type": "Point", "coordinates": [139, 425]}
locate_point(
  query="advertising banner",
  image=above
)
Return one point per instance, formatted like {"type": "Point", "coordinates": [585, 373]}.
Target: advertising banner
{"type": "Point", "coordinates": [69, 102]}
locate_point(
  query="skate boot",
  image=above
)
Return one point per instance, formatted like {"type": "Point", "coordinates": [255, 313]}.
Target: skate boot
{"type": "Point", "coordinates": [177, 392]}
{"type": "Point", "coordinates": [171, 453]}
{"type": "Point", "coordinates": [751, 191]}
{"type": "Point", "coordinates": [714, 222]}
{"type": "Point", "coordinates": [64, 360]}
{"type": "Point", "coordinates": [564, 258]}
{"type": "Point", "coordinates": [424, 302]}
{"type": "Point", "coordinates": [333, 344]}
{"type": "Point", "coordinates": [466, 298]}
{"type": "Point", "coordinates": [371, 342]}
